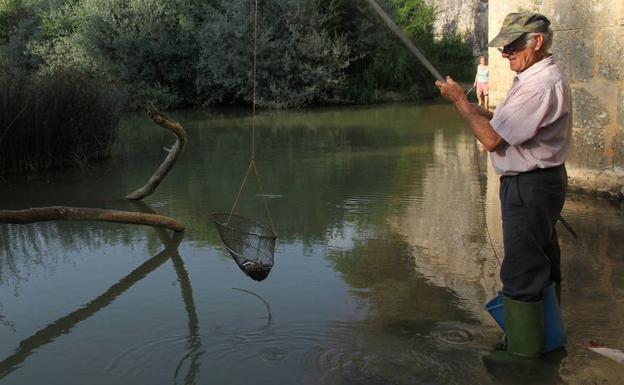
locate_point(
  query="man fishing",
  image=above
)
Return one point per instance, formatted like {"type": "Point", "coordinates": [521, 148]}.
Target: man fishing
{"type": "Point", "coordinates": [529, 138]}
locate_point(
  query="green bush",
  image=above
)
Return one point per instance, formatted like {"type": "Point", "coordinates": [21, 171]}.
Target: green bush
{"type": "Point", "coordinates": [455, 58]}
{"type": "Point", "coordinates": [181, 53]}
{"type": "Point", "coordinates": [299, 61]}
{"type": "Point", "coordinates": [385, 66]}
{"type": "Point", "coordinates": [147, 45]}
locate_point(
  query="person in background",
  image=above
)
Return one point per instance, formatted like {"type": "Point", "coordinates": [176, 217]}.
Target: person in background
{"type": "Point", "coordinates": [481, 83]}
{"type": "Point", "coordinates": [529, 138]}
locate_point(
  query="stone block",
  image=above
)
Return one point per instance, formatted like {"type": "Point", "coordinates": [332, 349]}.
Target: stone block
{"type": "Point", "coordinates": [618, 149]}
{"type": "Point", "coordinates": [618, 140]}
{"type": "Point", "coordinates": [589, 111]}
{"type": "Point", "coordinates": [621, 109]}
{"type": "Point", "coordinates": [610, 51]}
{"type": "Point", "coordinates": [588, 149]}
{"type": "Point", "coordinates": [574, 52]}
{"type": "Point", "coordinates": [566, 14]}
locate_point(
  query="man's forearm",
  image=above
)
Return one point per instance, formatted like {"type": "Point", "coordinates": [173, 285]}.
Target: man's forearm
{"type": "Point", "coordinates": [483, 112]}
{"type": "Point", "coordinates": [479, 122]}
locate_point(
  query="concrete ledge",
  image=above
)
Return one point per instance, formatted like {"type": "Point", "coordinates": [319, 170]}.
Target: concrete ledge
{"type": "Point", "coordinates": [606, 183]}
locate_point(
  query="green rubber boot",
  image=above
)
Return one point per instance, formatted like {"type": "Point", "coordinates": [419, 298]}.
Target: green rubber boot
{"type": "Point", "coordinates": [524, 327]}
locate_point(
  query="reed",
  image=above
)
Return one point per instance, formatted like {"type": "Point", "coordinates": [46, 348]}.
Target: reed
{"type": "Point", "coordinates": [65, 118]}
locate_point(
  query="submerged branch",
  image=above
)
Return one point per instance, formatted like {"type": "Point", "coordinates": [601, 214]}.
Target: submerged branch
{"type": "Point", "coordinates": [174, 153]}
{"type": "Point", "coordinates": [55, 213]}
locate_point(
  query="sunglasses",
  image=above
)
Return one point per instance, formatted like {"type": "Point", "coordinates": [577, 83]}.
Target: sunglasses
{"type": "Point", "coordinates": [515, 46]}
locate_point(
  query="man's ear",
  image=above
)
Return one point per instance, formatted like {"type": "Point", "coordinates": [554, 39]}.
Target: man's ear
{"type": "Point", "coordinates": [539, 42]}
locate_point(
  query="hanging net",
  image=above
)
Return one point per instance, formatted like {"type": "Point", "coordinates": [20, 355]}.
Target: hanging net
{"type": "Point", "coordinates": [250, 243]}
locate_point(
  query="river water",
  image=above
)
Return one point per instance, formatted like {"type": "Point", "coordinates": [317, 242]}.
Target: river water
{"type": "Point", "coordinates": [388, 240]}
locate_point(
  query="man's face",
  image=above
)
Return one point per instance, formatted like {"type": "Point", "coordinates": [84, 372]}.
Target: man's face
{"type": "Point", "coordinates": [520, 55]}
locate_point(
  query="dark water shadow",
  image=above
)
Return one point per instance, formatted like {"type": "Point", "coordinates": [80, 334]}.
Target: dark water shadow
{"type": "Point", "coordinates": [65, 324]}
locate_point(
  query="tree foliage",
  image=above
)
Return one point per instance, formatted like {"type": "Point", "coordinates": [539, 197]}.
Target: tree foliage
{"type": "Point", "coordinates": [198, 52]}
{"type": "Point", "coordinates": [299, 61]}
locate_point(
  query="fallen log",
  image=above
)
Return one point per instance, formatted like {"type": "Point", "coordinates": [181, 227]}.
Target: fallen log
{"type": "Point", "coordinates": [55, 213]}
{"type": "Point", "coordinates": [174, 153]}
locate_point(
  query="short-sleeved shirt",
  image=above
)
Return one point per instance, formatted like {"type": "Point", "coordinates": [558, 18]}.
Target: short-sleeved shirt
{"type": "Point", "coordinates": [535, 120]}
{"type": "Point", "coordinates": [483, 74]}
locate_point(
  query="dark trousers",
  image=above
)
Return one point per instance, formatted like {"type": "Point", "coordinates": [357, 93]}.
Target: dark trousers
{"type": "Point", "coordinates": [531, 203]}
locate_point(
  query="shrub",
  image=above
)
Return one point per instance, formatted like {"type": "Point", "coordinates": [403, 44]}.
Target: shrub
{"type": "Point", "coordinates": [66, 118]}
{"type": "Point", "coordinates": [299, 62]}
{"type": "Point", "coordinates": [147, 45]}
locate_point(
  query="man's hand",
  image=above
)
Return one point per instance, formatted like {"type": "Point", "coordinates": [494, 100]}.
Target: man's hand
{"type": "Point", "coordinates": [451, 90]}
{"type": "Point", "coordinates": [478, 119]}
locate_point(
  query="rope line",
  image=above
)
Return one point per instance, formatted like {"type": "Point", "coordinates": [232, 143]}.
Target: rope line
{"type": "Point", "coordinates": [252, 162]}
{"type": "Point", "coordinates": [487, 228]}
{"type": "Point", "coordinates": [253, 103]}
{"type": "Point", "coordinates": [239, 193]}
{"type": "Point", "coordinates": [266, 206]}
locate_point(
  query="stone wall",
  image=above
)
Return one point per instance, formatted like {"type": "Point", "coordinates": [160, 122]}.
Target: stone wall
{"type": "Point", "coordinates": [589, 45]}
{"type": "Point", "coordinates": [468, 18]}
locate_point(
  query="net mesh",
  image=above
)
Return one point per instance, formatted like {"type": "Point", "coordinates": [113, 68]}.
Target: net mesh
{"type": "Point", "coordinates": [250, 243]}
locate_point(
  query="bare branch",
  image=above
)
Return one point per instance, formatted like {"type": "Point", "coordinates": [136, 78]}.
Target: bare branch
{"type": "Point", "coordinates": [55, 213]}
{"type": "Point", "coordinates": [175, 151]}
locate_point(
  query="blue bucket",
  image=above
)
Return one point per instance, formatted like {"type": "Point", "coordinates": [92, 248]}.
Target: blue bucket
{"type": "Point", "coordinates": [554, 333]}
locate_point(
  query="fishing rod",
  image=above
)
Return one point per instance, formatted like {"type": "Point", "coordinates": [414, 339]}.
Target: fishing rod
{"type": "Point", "coordinates": [397, 31]}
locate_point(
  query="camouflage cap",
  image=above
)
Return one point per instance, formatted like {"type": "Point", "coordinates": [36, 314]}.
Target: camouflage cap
{"type": "Point", "coordinates": [517, 24]}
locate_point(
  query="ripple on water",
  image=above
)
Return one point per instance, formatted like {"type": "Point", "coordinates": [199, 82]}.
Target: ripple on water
{"type": "Point", "coordinates": [137, 360]}
{"type": "Point", "coordinates": [334, 352]}
{"type": "Point", "coordinates": [476, 336]}
{"type": "Point", "coordinates": [218, 348]}
{"type": "Point", "coordinates": [351, 355]}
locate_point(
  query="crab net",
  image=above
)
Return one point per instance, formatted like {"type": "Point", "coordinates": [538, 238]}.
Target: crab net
{"type": "Point", "coordinates": [250, 243]}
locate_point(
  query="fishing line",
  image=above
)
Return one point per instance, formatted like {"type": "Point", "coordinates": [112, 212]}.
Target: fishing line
{"type": "Point", "coordinates": [483, 206]}
{"type": "Point", "coordinates": [408, 43]}
{"type": "Point", "coordinates": [262, 299]}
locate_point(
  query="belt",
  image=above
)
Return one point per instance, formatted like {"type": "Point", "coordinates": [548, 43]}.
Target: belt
{"type": "Point", "coordinates": [538, 171]}
{"type": "Point", "coordinates": [545, 170]}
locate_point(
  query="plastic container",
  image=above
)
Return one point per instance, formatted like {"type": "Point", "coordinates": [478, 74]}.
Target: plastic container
{"type": "Point", "coordinates": [554, 332]}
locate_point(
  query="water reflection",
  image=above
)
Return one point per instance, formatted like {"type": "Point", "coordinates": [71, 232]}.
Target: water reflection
{"type": "Point", "coordinates": [65, 324]}
{"type": "Point", "coordinates": [451, 228]}
{"type": "Point", "coordinates": [385, 217]}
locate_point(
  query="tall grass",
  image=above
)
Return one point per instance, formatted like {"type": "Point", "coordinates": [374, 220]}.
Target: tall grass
{"type": "Point", "coordinates": [65, 118]}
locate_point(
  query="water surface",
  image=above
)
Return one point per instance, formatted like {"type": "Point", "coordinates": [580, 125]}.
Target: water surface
{"type": "Point", "coordinates": [389, 236]}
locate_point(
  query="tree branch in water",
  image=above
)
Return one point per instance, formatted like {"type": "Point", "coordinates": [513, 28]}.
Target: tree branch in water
{"type": "Point", "coordinates": [175, 151]}
{"type": "Point", "coordinates": [55, 213]}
